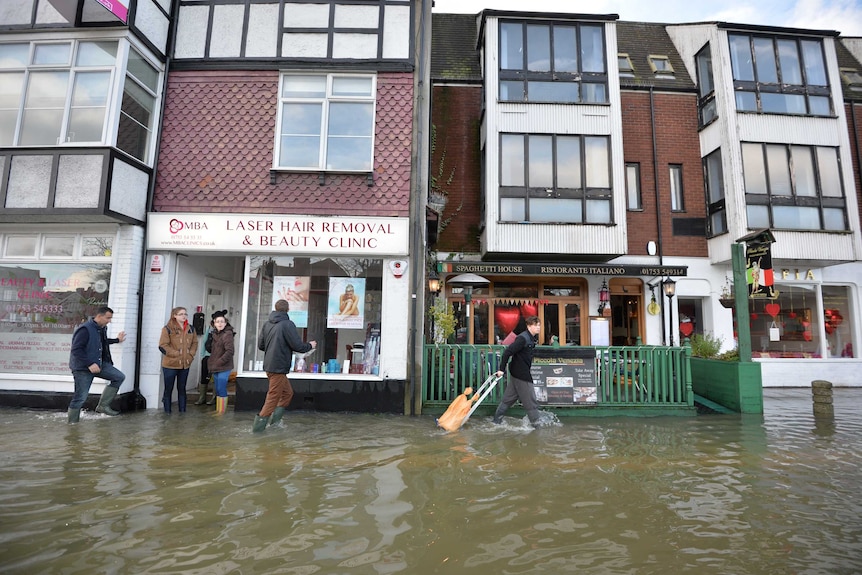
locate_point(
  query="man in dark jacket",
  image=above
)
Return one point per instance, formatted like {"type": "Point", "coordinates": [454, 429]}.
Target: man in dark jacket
{"type": "Point", "coordinates": [91, 357]}
{"type": "Point", "coordinates": [520, 385]}
{"type": "Point", "coordinates": [278, 340]}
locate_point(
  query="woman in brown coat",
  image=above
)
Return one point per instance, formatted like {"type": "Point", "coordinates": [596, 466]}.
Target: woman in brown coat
{"type": "Point", "coordinates": [220, 362]}
{"type": "Point", "coordinates": [179, 345]}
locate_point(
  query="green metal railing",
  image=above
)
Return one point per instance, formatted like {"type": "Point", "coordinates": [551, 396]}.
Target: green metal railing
{"type": "Point", "coordinates": [630, 376]}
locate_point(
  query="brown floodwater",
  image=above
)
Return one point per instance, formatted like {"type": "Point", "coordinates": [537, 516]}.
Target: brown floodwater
{"type": "Point", "coordinates": [376, 494]}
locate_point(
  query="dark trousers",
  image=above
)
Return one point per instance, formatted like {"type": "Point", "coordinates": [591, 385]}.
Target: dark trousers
{"type": "Point", "coordinates": [181, 377]}
{"type": "Point", "coordinates": [518, 389]}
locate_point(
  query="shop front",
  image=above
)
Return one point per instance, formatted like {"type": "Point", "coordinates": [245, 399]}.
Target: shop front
{"type": "Point", "coordinates": [51, 282]}
{"type": "Point", "coordinates": [578, 304]}
{"type": "Point", "coordinates": [347, 282]}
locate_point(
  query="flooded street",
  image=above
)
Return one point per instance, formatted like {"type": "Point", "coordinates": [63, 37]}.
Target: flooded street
{"type": "Point", "coordinates": [372, 494]}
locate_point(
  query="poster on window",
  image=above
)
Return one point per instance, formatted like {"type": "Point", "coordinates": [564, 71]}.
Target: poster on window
{"type": "Point", "coordinates": [346, 307]}
{"type": "Point", "coordinates": [294, 290]}
{"type": "Point", "coordinates": [42, 303]}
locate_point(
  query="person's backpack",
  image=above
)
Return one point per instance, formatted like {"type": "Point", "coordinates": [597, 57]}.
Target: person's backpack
{"type": "Point", "coordinates": [208, 344]}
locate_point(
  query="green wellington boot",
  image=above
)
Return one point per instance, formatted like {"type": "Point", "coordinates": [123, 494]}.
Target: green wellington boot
{"type": "Point", "coordinates": [259, 424]}
{"type": "Point", "coordinates": [105, 401]}
{"type": "Point", "coordinates": [276, 415]}
{"type": "Point", "coordinates": [74, 415]}
{"type": "Point", "coordinates": [202, 394]}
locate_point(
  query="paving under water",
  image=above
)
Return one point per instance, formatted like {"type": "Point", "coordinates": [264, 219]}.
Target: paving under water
{"type": "Point", "coordinates": [376, 494]}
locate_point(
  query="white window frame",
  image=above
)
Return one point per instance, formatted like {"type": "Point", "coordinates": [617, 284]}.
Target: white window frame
{"type": "Point", "coordinates": [325, 101]}
{"type": "Point", "coordinates": [114, 97]}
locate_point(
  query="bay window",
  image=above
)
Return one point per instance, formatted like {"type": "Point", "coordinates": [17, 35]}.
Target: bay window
{"type": "Point", "coordinates": [555, 179]}
{"type": "Point", "coordinates": [553, 62]}
{"type": "Point", "coordinates": [61, 93]}
{"type": "Point", "coordinates": [793, 187]}
{"type": "Point", "coordinates": [779, 75]}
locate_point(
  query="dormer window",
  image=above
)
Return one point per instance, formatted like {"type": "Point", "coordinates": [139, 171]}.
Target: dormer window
{"type": "Point", "coordinates": [661, 66]}
{"type": "Point", "coordinates": [625, 65]}
{"type": "Point", "coordinates": [853, 78]}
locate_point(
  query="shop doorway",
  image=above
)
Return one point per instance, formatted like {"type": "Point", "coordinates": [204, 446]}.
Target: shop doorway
{"type": "Point", "coordinates": [562, 319]}
{"type": "Point", "coordinates": [626, 311]}
{"type": "Point", "coordinates": [218, 298]}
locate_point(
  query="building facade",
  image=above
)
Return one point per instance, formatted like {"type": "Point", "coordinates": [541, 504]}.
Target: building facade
{"type": "Point", "coordinates": [618, 155]}
{"type": "Point", "coordinates": [79, 123]}
{"type": "Point", "coordinates": [289, 169]}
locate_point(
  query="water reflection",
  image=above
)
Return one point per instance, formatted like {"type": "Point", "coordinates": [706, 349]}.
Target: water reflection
{"type": "Point", "coordinates": [350, 493]}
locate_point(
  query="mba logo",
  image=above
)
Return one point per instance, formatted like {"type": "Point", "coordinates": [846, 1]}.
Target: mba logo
{"type": "Point", "coordinates": [177, 226]}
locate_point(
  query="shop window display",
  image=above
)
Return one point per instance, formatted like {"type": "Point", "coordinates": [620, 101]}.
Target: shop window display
{"type": "Point", "coordinates": [335, 301]}
{"type": "Point", "coordinates": [801, 323]}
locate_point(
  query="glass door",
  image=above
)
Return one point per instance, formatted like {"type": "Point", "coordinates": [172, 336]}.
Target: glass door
{"type": "Point", "coordinates": [562, 319]}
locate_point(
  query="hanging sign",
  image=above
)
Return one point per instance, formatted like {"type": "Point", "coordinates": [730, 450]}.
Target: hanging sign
{"type": "Point", "coordinates": [758, 265]}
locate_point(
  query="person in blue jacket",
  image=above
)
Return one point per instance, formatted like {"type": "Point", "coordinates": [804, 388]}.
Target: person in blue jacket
{"type": "Point", "coordinates": [520, 385]}
{"type": "Point", "coordinates": [90, 357]}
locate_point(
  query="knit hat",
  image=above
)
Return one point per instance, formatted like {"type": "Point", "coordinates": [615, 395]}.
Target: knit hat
{"type": "Point", "coordinates": [222, 313]}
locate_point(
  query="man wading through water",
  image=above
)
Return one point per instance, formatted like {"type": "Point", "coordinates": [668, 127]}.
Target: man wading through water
{"type": "Point", "coordinates": [520, 385]}
{"type": "Point", "coordinates": [278, 340]}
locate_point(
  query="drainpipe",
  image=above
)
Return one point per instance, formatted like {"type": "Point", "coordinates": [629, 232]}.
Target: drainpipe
{"type": "Point", "coordinates": [657, 205]}
{"type": "Point", "coordinates": [856, 139]}
{"type": "Point", "coordinates": [417, 207]}
{"type": "Point", "coordinates": [139, 400]}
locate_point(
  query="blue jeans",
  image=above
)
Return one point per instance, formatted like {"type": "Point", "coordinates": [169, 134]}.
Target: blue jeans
{"type": "Point", "coordinates": [83, 380]}
{"type": "Point", "coordinates": [181, 376]}
{"type": "Point", "coordinates": [220, 380]}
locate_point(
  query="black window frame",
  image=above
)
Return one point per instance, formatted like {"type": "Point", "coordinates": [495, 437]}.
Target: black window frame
{"type": "Point", "coordinates": [577, 79]}
{"type": "Point", "coordinates": [819, 201]}
{"type": "Point", "coordinates": [582, 193]}
{"type": "Point", "coordinates": [707, 112]}
{"type": "Point", "coordinates": [638, 194]}
{"type": "Point", "coordinates": [716, 203]}
{"type": "Point", "coordinates": [760, 88]}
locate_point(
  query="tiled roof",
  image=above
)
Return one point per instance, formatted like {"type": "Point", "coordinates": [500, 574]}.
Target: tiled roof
{"type": "Point", "coordinates": [639, 40]}
{"type": "Point", "coordinates": [453, 48]}
{"type": "Point", "coordinates": [847, 60]}
{"type": "Point", "coordinates": [217, 145]}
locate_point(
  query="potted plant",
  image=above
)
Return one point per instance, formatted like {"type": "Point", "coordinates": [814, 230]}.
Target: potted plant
{"type": "Point", "coordinates": [721, 377]}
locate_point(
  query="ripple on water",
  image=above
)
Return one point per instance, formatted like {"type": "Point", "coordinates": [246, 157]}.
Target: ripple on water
{"type": "Point", "coordinates": [359, 493]}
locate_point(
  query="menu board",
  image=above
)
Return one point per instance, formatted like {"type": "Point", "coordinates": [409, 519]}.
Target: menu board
{"type": "Point", "coordinates": [565, 376]}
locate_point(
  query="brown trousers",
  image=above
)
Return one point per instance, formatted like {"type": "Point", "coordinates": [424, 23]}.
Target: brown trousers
{"type": "Point", "coordinates": [279, 394]}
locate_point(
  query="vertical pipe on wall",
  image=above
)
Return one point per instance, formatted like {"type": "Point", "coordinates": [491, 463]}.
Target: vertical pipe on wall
{"type": "Point", "coordinates": [418, 202]}
{"type": "Point", "coordinates": [659, 243]}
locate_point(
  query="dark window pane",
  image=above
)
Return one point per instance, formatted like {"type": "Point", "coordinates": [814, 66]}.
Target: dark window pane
{"type": "Point", "coordinates": [764, 57]}
{"type": "Point", "coordinates": [512, 91]}
{"type": "Point", "coordinates": [592, 49]}
{"type": "Point", "coordinates": [511, 47]}
{"type": "Point", "coordinates": [788, 58]}
{"type": "Point", "coordinates": [563, 92]}
{"type": "Point", "coordinates": [740, 58]}
{"type": "Point", "coordinates": [565, 49]}
{"type": "Point", "coordinates": [538, 48]}
{"type": "Point", "coordinates": [746, 101]}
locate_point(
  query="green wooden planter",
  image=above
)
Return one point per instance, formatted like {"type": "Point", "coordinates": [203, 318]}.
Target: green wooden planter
{"type": "Point", "coordinates": [736, 385]}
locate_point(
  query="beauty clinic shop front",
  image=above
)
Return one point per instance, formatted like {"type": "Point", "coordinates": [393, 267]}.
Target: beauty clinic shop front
{"type": "Point", "coordinates": [345, 278]}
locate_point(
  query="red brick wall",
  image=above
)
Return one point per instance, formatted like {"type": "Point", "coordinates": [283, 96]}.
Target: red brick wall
{"type": "Point", "coordinates": [455, 113]}
{"type": "Point", "coordinates": [677, 142]}
{"type": "Point", "coordinates": [217, 145]}
{"type": "Point", "coordinates": [854, 114]}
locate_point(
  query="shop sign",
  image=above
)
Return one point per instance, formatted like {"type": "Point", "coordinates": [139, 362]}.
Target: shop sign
{"type": "Point", "coordinates": [555, 269]}
{"type": "Point", "coordinates": [265, 233]}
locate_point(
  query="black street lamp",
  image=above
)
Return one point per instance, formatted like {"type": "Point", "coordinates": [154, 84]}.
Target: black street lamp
{"type": "Point", "coordinates": [669, 287]}
{"type": "Point", "coordinates": [604, 297]}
